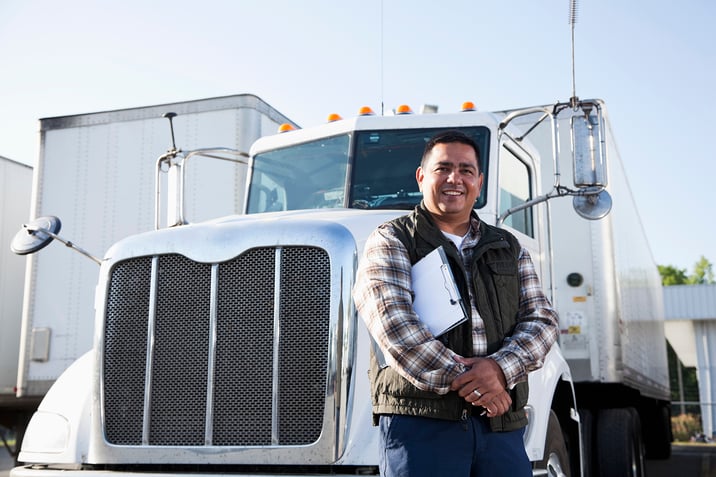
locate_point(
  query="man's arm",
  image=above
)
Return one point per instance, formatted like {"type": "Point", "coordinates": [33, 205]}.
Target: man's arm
{"type": "Point", "coordinates": [383, 299]}
{"type": "Point", "coordinates": [522, 352]}
{"type": "Point", "coordinates": [536, 330]}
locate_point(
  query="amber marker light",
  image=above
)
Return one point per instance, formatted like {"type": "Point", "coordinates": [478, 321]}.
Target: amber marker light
{"type": "Point", "coordinates": [468, 106]}
{"type": "Point", "coordinates": [403, 109]}
{"type": "Point", "coordinates": [366, 111]}
{"type": "Point", "coordinates": [285, 127]}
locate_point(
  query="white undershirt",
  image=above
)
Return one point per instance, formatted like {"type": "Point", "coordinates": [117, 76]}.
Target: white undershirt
{"type": "Point", "coordinates": [456, 239]}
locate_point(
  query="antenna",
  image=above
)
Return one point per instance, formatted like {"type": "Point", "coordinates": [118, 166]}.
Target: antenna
{"type": "Point", "coordinates": [171, 116]}
{"type": "Point", "coordinates": [382, 61]}
{"type": "Point", "coordinates": [572, 21]}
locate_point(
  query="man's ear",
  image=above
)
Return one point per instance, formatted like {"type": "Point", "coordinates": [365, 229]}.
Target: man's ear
{"type": "Point", "coordinates": [419, 178]}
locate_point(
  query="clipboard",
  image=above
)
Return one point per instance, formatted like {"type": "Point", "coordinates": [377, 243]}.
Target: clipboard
{"type": "Point", "coordinates": [437, 300]}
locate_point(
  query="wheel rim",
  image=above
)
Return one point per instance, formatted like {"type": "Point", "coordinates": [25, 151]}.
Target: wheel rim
{"type": "Point", "coordinates": [554, 467]}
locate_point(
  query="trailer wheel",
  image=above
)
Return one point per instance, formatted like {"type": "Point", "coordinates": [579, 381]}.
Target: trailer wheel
{"type": "Point", "coordinates": [657, 432]}
{"type": "Point", "coordinates": [586, 418]}
{"type": "Point", "coordinates": [556, 458]}
{"type": "Point", "coordinates": [619, 443]}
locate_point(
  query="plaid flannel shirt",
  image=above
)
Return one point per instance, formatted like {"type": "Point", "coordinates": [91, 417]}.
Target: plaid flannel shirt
{"type": "Point", "coordinates": [383, 298]}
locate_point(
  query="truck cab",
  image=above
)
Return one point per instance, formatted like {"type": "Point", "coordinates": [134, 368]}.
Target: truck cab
{"type": "Point", "coordinates": [233, 345]}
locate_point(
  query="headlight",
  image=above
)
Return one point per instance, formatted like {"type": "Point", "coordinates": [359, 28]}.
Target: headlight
{"type": "Point", "coordinates": [47, 433]}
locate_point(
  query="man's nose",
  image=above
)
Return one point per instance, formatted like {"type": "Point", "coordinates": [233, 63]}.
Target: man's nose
{"type": "Point", "coordinates": [454, 177]}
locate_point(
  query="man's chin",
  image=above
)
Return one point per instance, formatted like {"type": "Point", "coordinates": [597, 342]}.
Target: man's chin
{"type": "Point", "coordinates": [455, 212]}
{"type": "Point", "coordinates": [453, 206]}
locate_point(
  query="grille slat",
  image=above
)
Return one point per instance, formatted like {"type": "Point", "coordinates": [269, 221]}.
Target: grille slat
{"type": "Point", "coordinates": [180, 364]}
{"type": "Point", "coordinates": [243, 393]}
{"type": "Point", "coordinates": [125, 348]}
{"type": "Point", "coordinates": [301, 394]}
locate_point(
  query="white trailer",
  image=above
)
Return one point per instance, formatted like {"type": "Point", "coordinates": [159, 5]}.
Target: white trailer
{"type": "Point", "coordinates": [232, 345]}
{"type": "Point", "coordinates": [15, 189]}
{"type": "Point", "coordinates": [607, 288]}
{"type": "Point", "coordinates": [98, 171]}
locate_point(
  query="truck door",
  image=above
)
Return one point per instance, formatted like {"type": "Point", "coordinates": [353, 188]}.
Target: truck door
{"type": "Point", "coordinates": [516, 184]}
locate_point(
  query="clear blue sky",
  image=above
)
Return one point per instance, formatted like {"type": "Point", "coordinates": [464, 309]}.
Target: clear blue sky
{"type": "Point", "coordinates": [653, 62]}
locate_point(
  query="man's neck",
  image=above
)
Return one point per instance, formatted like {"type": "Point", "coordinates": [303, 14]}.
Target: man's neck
{"type": "Point", "coordinates": [456, 228]}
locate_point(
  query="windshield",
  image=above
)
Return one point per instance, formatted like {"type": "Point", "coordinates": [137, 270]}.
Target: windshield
{"type": "Point", "coordinates": [315, 174]}
{"type": "Point", "coordinates": [303, 176]}
{"type": "Point", "coordinates": [385, 164]}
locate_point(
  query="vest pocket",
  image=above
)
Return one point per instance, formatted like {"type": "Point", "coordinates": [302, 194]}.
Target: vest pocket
{"type": "Point", "coordinates": [503, 267]}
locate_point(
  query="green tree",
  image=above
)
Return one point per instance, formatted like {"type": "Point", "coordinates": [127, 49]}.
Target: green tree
{"type": "Point", "coordinates": [670, 275]}
{"type": "Point", "coordinates": [703, 273]}
{"type": "Point", "coordinates": [689, 385]}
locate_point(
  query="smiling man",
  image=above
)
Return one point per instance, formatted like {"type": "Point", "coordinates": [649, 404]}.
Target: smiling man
{"type": "Point", "coordinates": [450, 180]}
{"type": "Point", "coordinates": [452, 405]}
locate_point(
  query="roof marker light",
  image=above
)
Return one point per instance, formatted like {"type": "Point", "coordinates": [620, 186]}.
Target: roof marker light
{"type": "Point", "coordinates": [286, 127]}
{"type": "Point", "coordinates": [468, 106]}
{"type": "Point", "coordinates": [403, 109]}
{"type": "Point", "coordinates": [334, 117]}
{"type": "Point", "coordinates": [366, 111]}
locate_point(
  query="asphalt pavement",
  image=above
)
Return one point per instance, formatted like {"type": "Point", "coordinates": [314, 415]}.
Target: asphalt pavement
{"type": "Point", "coordinates": [6, 462]}
{"type": "Point", "coordinates": [686, 461]}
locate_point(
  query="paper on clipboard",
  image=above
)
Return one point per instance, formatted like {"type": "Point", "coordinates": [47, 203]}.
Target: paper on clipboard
{"type": "Point", "coordinates": [437, 300]}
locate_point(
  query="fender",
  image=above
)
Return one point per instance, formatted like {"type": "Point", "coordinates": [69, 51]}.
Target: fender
{"type": "Point", "coordinates": [58, 433]}
{"type": "Point", "coordinates": [543, 384]}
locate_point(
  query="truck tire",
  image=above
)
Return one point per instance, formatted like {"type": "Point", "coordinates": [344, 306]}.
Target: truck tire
{"type": "Point", "coordinates": [657, 432]}
{"type": "Point", "coordinates": [556, 458]}
{"type": "Point", "coordinates": [619, 443]}
{"type": "Point", "coordinates": [586, 420]}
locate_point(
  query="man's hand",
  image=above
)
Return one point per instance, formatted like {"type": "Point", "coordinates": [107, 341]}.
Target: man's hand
{"type": "Point", "coordinates": [483, 384]}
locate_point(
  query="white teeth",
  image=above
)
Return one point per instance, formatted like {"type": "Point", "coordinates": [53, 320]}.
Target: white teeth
{"type": "Point", "coordinates": [452, 192]}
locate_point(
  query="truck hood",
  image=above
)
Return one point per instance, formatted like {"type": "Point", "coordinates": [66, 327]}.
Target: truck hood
{"type": "Point", "coordinates": [224, 238]}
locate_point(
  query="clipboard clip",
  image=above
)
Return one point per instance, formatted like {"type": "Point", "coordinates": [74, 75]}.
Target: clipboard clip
{"type": "Point", "coordinates": [447, 277]}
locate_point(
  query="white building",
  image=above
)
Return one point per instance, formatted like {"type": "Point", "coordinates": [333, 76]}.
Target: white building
{"type": "Point", "coordinates": [690, 312]}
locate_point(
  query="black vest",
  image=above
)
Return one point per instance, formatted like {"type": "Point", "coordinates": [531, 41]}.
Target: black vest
{"type": "Point", "coordinates": [496, 287]}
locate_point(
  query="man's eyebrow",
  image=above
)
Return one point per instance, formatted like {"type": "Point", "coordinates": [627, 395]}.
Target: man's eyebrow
{"type": "Point", "coordinates": [459, 164]}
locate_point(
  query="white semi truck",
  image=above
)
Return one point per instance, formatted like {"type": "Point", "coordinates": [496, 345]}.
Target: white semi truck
{"type": "Point", "coordinates": [97, 172]}
{"type": "Point", "coordinates": [232, 345]}
{"type": "Point", "coordinates": [15, 190]}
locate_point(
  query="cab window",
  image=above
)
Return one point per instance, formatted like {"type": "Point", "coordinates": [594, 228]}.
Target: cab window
{"type": "Point", "coordinates": [515, 189]}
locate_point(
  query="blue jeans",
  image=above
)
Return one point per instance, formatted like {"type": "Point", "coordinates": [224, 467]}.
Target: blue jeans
{"type": "Point", "coordinates": [419, 446]}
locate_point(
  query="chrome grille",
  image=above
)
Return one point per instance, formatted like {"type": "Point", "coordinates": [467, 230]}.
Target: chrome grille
{"type": "Point", "coordinates": [243, 365]}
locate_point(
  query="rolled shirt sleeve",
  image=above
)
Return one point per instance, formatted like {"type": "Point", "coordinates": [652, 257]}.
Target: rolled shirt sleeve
{"type": "Point", "coordinates": [536, 330]}
{"type": "Point", "coordinates": [383, 298]}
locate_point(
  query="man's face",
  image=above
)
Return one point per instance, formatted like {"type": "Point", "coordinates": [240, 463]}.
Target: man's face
{"type": "Point", "coordinates": [450, 181]}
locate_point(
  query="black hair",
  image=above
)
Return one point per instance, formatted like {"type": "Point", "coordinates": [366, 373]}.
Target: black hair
{"type": "Point", "coordinates": [446, 137]}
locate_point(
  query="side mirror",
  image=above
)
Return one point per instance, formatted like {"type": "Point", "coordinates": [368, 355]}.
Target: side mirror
{"type": "Point", "coordinates": [589, 156]}
{"type": "Point", "coordinates": [593, 205]}
{"type": "Point", "coordinates": [38, 233]}
{"type": "Point", "coordinates": [35, 235]}
{"type": "Point", "coordinates": [588, 146]}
